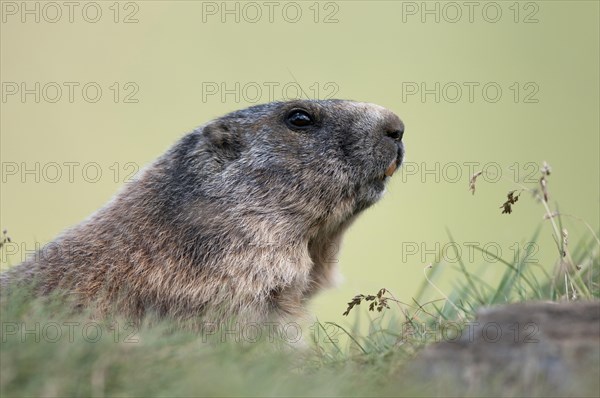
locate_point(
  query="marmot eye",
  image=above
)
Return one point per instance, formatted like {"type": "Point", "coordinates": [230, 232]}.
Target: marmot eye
{"type": "Point", "coordinates": [299, 118]}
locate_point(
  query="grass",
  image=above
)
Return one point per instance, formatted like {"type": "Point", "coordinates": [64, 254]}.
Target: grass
{"type": "Point", "coordinates": [159, 359]}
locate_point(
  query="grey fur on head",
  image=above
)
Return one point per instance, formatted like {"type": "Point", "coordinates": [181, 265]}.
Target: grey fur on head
{"type": "Point", "coordinates": [237, 219]}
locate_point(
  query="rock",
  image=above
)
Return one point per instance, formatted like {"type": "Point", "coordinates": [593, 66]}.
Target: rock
{"type": "Point", "coordinates": [525, 349]}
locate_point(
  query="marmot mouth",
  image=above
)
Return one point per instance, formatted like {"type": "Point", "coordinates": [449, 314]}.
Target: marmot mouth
{"type": "Point", "coordinates": [391, 168]}
{"type": "Point", "coordinates": [395, 163]}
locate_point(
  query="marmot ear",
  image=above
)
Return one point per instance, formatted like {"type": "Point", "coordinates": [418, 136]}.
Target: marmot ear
{"type": "Point", "coordinates": [222, 139]}
{"type": "Point", "coordinates": [217, 133]}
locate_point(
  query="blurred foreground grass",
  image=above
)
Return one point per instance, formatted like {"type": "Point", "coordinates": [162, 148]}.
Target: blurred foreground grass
{"type": "Point", "coordinates": [46, 352]}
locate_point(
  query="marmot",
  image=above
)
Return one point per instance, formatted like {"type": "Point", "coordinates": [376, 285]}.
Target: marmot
{"type": "Point", "coordinates": [240, 218]}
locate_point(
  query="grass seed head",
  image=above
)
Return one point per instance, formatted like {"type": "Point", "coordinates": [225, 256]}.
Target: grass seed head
{"type": "Point", "coordinates": [473, 180]}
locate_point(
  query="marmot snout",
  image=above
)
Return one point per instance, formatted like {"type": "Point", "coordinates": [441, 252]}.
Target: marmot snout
{"type": "Point", "coordinates": [240, 218]}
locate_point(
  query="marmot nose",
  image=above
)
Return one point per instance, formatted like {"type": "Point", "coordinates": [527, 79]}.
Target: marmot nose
{"type": "Point", "coordinates": [396, 134]}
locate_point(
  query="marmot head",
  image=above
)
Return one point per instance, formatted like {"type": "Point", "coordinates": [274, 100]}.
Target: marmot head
{"type": "Point", "coordinates": [309, 160]}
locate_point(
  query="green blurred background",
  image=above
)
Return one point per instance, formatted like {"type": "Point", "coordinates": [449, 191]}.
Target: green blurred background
{"type": "Point", "coordinates": [171, 55]}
